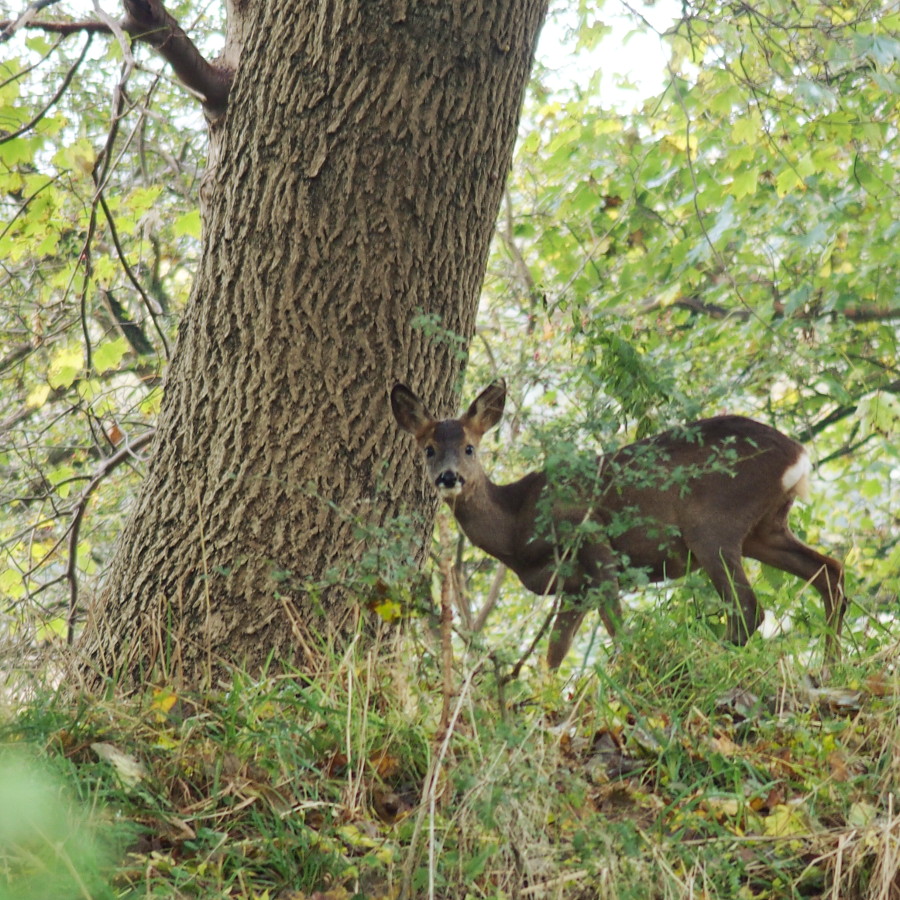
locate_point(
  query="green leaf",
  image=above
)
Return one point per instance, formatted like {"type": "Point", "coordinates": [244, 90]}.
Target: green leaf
{"type": "Point", "coordinates": [58, 476]}
{"type": "Point", "coordinates": [747, 129]}
{"type": "Point", "coordinates": [188, 224]}
{"type": "Point", "coordinates": [11, 584]}
{"type": "Point", "coordinates": [78, 157]}
{"type": "Point", "coordinates": [108, 356]}
{"type": "Point", "coordinates": [744, 184]}
{"type": "Point", "coordinates": [788, 180]}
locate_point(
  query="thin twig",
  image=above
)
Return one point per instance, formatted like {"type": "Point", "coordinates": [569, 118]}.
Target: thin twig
{"type": "Point", "coordinates": [517, 668]}
{"type": "Point", "coordinates": [55, 98]}
{"type": "Point", "coordinates": [128, 451]}
{"type": "Point", "coordinates": [491, 600]}
{"type": "Point", "coordinates": [430, 792]}
{"type": "Point", "coordinates": [11, 27]}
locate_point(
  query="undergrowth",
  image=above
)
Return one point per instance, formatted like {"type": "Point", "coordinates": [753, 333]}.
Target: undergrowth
{"type": "Point", "coordinates": [674, 767]}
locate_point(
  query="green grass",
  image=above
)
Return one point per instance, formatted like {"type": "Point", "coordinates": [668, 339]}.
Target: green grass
{"type": "Point", "coordinates": [676, 767]}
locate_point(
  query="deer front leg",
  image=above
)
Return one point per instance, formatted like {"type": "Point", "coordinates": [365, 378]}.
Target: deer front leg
{"type": "Point", "coordinates": [564, 627]}
{"type": "Point", "coordinates": [598, 571]}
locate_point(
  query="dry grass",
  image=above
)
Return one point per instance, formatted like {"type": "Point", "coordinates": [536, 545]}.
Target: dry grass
{"type": "Point", "coordinates": [678, 768]}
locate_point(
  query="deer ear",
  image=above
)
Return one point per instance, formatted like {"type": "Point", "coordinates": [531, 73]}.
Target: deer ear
{"type": "Point", "coordinates": [409, 411]}
{"type": "Point", "coordinates": [487, 407]}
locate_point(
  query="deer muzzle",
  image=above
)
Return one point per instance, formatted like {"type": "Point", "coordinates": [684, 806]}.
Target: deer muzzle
{"type": "Point", "coordinates": [449, 482]}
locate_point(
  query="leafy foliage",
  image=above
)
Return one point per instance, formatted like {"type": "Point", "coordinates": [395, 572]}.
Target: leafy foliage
{"type": "Point", "coordinates": [725, 245]}
{"type": "Point", "coordinates": [100, 236]}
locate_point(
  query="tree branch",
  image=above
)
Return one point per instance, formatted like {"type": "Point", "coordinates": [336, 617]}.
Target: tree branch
{"type": "Point", "coordinates": [841, 412]}
{"type": "Point", "coordinates": [8, 27]}
{"type": "Point", "coordinates": [148, 21]}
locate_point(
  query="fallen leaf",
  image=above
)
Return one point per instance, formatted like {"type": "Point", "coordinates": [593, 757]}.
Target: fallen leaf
{"type": "Point", "coordinates": [838, 766]}
{"type": "Point", "coordinates": [724, 745]}
{"type": "Point", "coordinates": [722, 807]}
{"type": "Point", "coordinates": [128, 768]}
{"type": "Point", "coordinates": [861, 814]}
{"type": "Point", "coordinates": [738, 701]}
{"type": "Point", "coordinates": [877, 685]}
{"type": "Point", "coordinates": [784, 821]}
{"type": "Point", "coordinates": [385, 764]}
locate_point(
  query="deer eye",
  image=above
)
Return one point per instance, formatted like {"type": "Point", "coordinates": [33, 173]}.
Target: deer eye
{"type": "Point", "coordinates": [429, 452]}
{"type": "Point", "coordinates": [470, 450]}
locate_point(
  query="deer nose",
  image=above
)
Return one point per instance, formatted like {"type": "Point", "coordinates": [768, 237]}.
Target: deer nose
{"type": "Point", "coordinates": [448, 479]}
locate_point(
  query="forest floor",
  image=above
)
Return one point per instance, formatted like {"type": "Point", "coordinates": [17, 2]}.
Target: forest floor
{"type": "Point", "coordinates": [674, 767]}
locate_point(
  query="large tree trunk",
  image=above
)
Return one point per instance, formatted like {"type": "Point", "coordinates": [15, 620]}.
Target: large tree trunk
{"type": "Point", "coordinates": [357, 177]}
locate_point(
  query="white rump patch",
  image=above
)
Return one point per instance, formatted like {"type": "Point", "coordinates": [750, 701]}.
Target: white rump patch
{"type": "Point", "coordinates": [796, 477]}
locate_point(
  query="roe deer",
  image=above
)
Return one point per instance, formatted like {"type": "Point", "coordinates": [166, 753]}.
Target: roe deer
{"type": "Point", "coordinates": [712, 492]}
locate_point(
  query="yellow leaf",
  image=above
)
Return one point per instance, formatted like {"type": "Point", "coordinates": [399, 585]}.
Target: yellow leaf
{"type": "Point", "coordinates": [682, 141]}
{"type": "Point", "coordinates": [38, 397]}
{"type": "Point", "coordinates": [784, 821]}
{"type": "Point", "coordinates": [165, 741]}
{"type": "Point", "coordinates": [11, 584]}
{"type": "Point", "coordinates": [64, 367]}
{"type": "Point", "coordinates": [163, 699]}
{"type": "Point", "coordinates": [723, 806]}
{"type": "Point", "coordinates": [354, 837]}
{"type": "Point", "coordinates": [388, 610]}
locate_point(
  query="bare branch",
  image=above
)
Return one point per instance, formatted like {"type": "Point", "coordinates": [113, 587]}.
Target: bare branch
{"type": "Point", "coordinates": [19, 352]}
{"type": "Point", "coordinates": [9, 28]}
{"type": "Point", "coordinates": [119, 34]}
{"type": "Point", "coordinates": [491, 601]}
{"type": "Point", "coordinates": [127, 452]}
{"type": "Point", "coordinates": [871, 313]}
{"type": "Point", "coordinates": [841, 412]}
{"type": "Point", "coordinates": [129, 272]}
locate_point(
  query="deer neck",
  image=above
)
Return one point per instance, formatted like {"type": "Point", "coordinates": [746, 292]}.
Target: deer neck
{"type": "Point", "coordinates": [490, 514]}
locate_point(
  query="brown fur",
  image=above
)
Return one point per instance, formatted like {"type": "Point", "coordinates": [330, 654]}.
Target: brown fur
{"type": "Point", "coordinates": [704, 494]}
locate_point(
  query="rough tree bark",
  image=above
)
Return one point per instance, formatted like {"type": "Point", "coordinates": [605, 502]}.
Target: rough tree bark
{"type": "Point", "coordinates": [354, 185]}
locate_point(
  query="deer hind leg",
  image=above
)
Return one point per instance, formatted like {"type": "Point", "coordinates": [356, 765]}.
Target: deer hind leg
{"type": "Point", "coordinates": [780, 548]}
{"type": "Point", "coordinates": [723, 565]}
